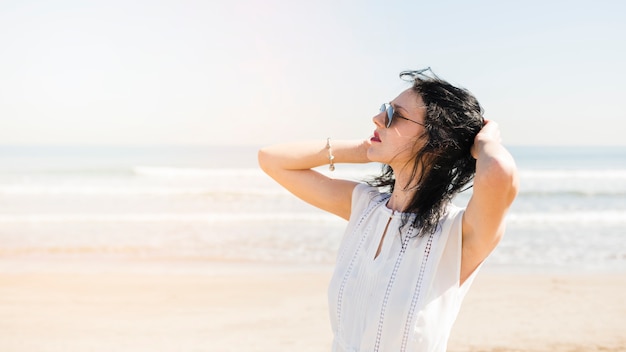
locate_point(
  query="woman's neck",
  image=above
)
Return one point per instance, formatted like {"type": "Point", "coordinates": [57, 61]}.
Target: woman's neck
{"type": "Point", "coordinates": [398, 201]}
{"type": "Point", "coordinates": [403, 190]}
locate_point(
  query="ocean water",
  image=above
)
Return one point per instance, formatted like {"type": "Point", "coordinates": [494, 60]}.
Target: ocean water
{"type": "Point", "coordinates": [214, 203]}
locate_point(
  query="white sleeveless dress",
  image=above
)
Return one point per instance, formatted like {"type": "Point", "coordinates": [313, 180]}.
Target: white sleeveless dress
{"type": "Point", "coordinates": [405, 299]}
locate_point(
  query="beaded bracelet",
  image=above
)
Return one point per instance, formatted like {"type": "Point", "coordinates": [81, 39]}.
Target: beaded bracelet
{"type": "Point", "coordinates": [331, 157]}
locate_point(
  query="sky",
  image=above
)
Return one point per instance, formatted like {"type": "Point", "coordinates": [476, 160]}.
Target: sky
{"type": "Point", "coordinates": [223, 72]}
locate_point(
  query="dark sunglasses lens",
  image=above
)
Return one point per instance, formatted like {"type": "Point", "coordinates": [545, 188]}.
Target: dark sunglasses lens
{"type": "Point", "coordinates": [383, 108]}
{"type": "Point", "coordinates": [389, 114]}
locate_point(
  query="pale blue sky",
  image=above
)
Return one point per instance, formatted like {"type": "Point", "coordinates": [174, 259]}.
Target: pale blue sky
{"type": "Point", "coordinates": [256, 72]}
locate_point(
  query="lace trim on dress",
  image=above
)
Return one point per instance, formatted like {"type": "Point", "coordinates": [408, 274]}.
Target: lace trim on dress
{"type": "Point", "coordinates": [344, 281]}
{"type": "Point", "coordinates": [416, 293]}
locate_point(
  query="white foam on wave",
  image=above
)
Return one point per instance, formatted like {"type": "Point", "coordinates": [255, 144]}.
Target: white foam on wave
{"type": "Point", "coordinates": [573, 182]}
{"type": "Point", "coordinates": [169, 217]}
{"type": "Point", "coordinates": [571, 217]}
{"type": "Point", "coordinates": [139, 190]}
{"type": "Point", "coordinates": [608, 174]}
{"type": "Point", "coordinates": [178, 172]}
{"type": "Point", "coordinates": [574, 217]}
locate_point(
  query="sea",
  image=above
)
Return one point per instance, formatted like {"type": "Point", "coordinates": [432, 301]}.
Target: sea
{"type": "Point", "coordinates": [213, 204]}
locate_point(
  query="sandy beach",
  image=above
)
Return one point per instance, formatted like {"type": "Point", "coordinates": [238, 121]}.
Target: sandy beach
{"type": "Point", "coordinates": [252, 307]}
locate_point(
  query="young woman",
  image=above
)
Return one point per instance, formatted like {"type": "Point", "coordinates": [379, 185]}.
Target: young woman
{"type": "Point", "coordinates": [408, 255]}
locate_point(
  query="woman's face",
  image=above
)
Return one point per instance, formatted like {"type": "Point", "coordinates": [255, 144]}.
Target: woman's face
{"type": "Point", "coordinates": [395, 145]}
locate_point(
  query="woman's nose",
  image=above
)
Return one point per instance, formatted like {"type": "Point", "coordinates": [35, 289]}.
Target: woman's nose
{"type": "Point", "coordinates": [379, 119]}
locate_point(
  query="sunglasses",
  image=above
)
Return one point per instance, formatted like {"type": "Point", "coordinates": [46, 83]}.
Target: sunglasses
{"type": "Point", "coordinates": [412, 75]}
{"type": "Point", "coordinates": [388, 108]}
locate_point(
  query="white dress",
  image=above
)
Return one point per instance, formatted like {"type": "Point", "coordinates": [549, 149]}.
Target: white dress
{"type": "Point", "coordinates": [406, 298]}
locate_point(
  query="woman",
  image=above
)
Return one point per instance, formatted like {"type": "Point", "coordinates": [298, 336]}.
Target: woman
{"type": "Point", "coordinates": [408, 255]}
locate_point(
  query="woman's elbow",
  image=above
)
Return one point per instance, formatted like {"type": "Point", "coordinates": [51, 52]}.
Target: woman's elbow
{"type": "Point", "coordinates": [500, 173]}
{"type": "Point", "coordinates": [264, 158]}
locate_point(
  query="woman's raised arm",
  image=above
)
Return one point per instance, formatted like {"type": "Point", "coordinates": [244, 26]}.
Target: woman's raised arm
{"type": "Point", "coordinates": [495, 187]}
{"type": "Point", "coordinates": [291, 166]}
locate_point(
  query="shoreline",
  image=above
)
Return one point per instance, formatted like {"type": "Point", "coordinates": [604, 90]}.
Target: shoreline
{"type": "Point", "coordinates": [223, 265]}
{"type": "Point", "coordinates": [225, 306]}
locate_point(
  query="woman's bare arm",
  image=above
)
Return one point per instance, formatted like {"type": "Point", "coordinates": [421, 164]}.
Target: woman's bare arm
{"type": "Point", "coordinates": [291, 166]}
{"type": "Point", "coordinates": [495, 187]}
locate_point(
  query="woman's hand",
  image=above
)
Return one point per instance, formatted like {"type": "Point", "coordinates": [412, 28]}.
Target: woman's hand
{"type": "Point", "coordinates": [489, 133]}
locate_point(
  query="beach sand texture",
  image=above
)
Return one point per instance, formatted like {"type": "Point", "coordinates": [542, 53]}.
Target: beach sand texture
{"type": "Point", "coordinates": [265, 309]}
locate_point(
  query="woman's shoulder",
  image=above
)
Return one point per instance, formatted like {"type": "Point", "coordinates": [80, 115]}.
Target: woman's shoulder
{"type": "Point", "coordinates": [453, 210]}
{"type": "Point", "coordinates": [365, 188]}
{"type": "Point", "coordinates": [363, 195]}
{"type": "Point", "coordinates": [450, 217]}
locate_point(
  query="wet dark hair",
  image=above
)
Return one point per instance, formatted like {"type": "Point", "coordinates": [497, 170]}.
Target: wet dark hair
{"type": "Point", "coordinates": [444, 163]}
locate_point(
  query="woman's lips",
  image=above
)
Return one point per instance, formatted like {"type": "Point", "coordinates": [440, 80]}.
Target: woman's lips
{"type": "Point", "coordinates": [376, 137]}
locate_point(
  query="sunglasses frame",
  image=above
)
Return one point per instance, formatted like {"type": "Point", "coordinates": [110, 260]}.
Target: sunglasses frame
{"type": "Point", "coordinates": [388, 108]}
{"type": "Point", "coordinates": [411, 75]}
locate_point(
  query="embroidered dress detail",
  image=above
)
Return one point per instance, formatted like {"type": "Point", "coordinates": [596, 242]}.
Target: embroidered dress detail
{"type": "Point", "coordinates": [416, 294]}
{"type": "Point", "coordinates": [373, 205]}
{"type": "Point", "coordinates": [379, 332]}
{"type": "Point", "coordinates": [371, 208]}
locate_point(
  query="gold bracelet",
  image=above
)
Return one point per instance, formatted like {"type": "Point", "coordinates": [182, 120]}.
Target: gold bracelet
{"type": "Point", "coordinates": [331, 157]}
